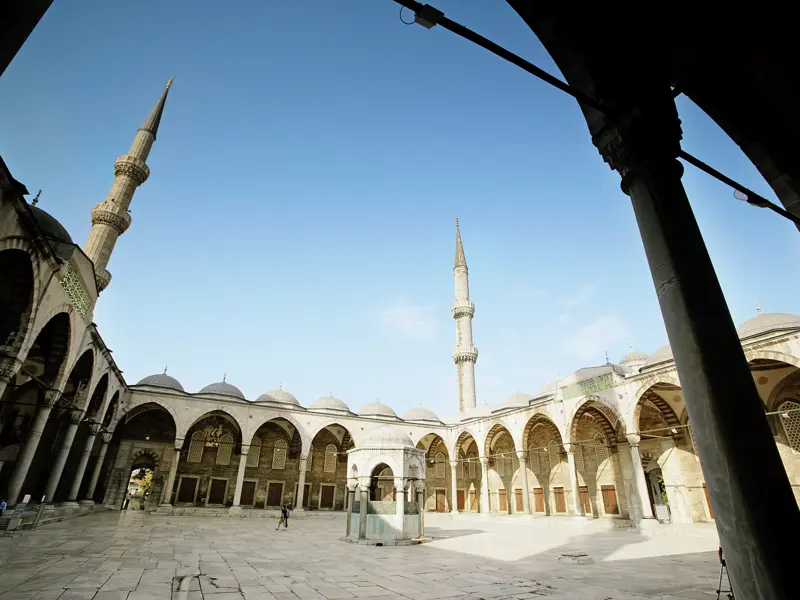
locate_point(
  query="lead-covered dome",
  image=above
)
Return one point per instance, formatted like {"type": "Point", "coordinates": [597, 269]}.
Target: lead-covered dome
{"type": "Point", "coordinates": [516, 399]}
{"type": "Point", "coordinates": [661, 355]}
{"type": "Point", "coordinates": [388, 437]}
{"type": "Point", "coordinates": [377, 409]}
{"type": "Point", "coordinates": [633, 356]}
{"type": "Point", "coordinates": [767, 322]}
{"type": "Point", "coordinates": [162, 380]}
{"type": "Point", "coordinates": [330, 403]}
{"type": "Point", "coordinates": [279, 396]}
{"type": "Point", "coordinates": [55, 232]}
{"type": "Point", "coordinates": [223, 388]}
{"type": "Point", "coordinates": [548, 389]}
{"type": "Point", "coordinates": [421, 414]}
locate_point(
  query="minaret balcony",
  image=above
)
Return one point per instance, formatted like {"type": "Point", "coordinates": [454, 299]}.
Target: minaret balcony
{"type": "Point", "coordinates": [133, 167]}
{"type": "Point", "coordinates": [468, 354]}
{"type": "Point", "coordinates": [462, 308]}
{"type": "Point", "coordinates": [105, 214]}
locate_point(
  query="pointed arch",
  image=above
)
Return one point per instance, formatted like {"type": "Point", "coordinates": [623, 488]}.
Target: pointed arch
{"type": "Point", "coordinates": [607, 417]}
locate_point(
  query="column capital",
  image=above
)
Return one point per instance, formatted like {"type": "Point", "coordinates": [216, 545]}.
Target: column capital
{"type": "Point", "coordinates": [178, 444]}
{"type": "Point", "coordinates": [75, 415]}
{"type": "Point", "coordinates": [570, 448]}
{"type": "Point", "coordinates": [94, 428]}
{"type": "Point", "coordinates": [522, 456]}
{"type": "Point", "coordinates": [634, 439]}
{"type": "Point", "coordinates": [453, 464]}
{"type": "Point", "coordinates": [107, 437]}
{"type": "Point", "coordinates": [484, 460]}
{"type": "Point", "coordinates": [243, 450]}
{"type": "Point", "coordinates": [51, 398]}
{"type": "Point", "coordinates": [9, 367]}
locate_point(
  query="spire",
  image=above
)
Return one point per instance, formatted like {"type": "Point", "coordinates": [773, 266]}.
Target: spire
{"type": "Point", "coordinates": [758, 306]}
{"type": "Point", "coordinates": [461, 260]}
{"type": "Point", "coordinates": [154, 118]}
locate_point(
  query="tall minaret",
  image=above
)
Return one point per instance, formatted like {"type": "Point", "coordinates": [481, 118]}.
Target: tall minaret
{"type": "Point", "coordinates": [465, 354]}
{"type": "Point", "coordinates": [111, 218]}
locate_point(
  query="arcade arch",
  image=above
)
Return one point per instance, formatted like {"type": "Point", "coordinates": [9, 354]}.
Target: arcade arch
{"type": "Point", "coordinates": [549, 486]}
{"type": "Point", "coordinates": [438, 474]}
{"type": "Point", "coordinates": [502, 467]}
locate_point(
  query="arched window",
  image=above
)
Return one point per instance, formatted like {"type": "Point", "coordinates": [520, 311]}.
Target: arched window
{"type": "Point", "coordinates": [472, 466]}
{"type": "Point", "coordinates": [225, 449]}
{"type": "Point", "coordinates": [254, 454]}
{"type": "Point", "coordinates": [579, 464]}
{"type": "Point", "coordinates": [330, 458]}
{"type": "Point", "coordinates": [533, 460]}
{"type": "Point", "coordinates": [552, 454]}
{"type": "Point", "coordinates": [279, 454]}
{"type": "Point", "coordinates": [196, 446]}
{"type": "Point", "coordinates": [309, 459]}
{"type": "Point", "coordinates": [439, 465]}
{"type": "Point", "coordinates": [600, 448]}
{"type": "Point", "coordinates": [789, 413]}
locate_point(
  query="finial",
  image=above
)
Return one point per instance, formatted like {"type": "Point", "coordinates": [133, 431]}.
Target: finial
{"type": "Point", "coordinates": [630, 346]}
{"type": "Point", "coordinates": [225, 378]}
{"type": "Point", "coordinates": [607, 357]}
{"type": "Point", "coordinates": [35, 201]}
{"type": "Point", "coordinates": [165, 369]}
{"type": "Point", "coordinates": [169, 83]}
{"type": "Point", "coordinates": [758, 306]}
{"type": "Point", "coordinates": [456, 221]}
{"type": "Point", "coordinates": [280, 385]}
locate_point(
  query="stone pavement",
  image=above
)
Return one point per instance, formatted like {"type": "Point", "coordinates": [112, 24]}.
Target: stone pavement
{"type": "Point", "coordinates": [136, 556]}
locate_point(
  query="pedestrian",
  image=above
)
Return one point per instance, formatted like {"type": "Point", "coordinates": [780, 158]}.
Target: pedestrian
{"type": "Point", "coordinates": [283, 517]}
{"type": "Point", "coordinates": [3, 506]}
{"type": "Point", "coordinates": [286, 517]}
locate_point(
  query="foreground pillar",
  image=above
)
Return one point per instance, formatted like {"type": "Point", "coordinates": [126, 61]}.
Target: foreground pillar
{"type": "Point", "coordinates": [453, 486]}
{"type": "Point", "coordinates": [351, 498]}
{"type": "Point", "coordinates": [72, 498]}
{"type": "Point", "coordinates": [28, 450]}
{"type": "Point", "coordinates": [237, 490]}
{"type": "Point", "coordinates": [362, 516]}
{"type": "Point", "coordinates": [577, 509]}
{"type": "Point", "coordinates": [57, 469]}
{"type": "Point", "coordinates": [420, 505]}
{"type": "Point", "coordinates": [522, 456]}
{"type": "Point", "coordinates": [173, 471]}
{"type": "Point", "coordinates": [400, 504]}
{"type": "Point", "coordinates": [98, 466]}
{"type": "Point", "coordinates": [484, 484]}
{"type": "Point", "coordinates": [301, 483]}
{"type": "Point", "coordinates": [646, 511]}
{"type": "Point", "coordinates": [757, 536]}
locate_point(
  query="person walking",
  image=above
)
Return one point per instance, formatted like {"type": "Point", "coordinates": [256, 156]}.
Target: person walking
{"type": "Point", "coordinates": [286, 517]}
{"type": "Point", "coordinates": [3, 506]}
{"type": "Point", "coordinates": [283, 517]}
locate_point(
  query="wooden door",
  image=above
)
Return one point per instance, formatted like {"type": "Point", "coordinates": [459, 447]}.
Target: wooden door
{"type": "Point", "coordinates": [307, 495]}
{"type": "Point", "coordinates": [585, 502]}
{"type": "Point", "coordinates": [473, 500]}
{"type": "Point", "coordinates": [274, 494]}
{"type": "Point", "coordinates": [441, 500]}
{"type": "Point", "coordinates": [502, 501]}
{"type": "Point", "coordinates": [518, 507]}
{"type": "Point", "coordinates": [609, 499]}
{"type": "Point", "coordinates": [460, 500]}
{"type": "Point", "coordinates": [708, 501]}
{"type": "Point", "coordinates": [187, 489]}
{"type": "Point", "coordinates": [248, 493]}
{"type": "Point", "coordinates": [558, 495]}
{"type": "Point", "coordinates": [326, 496]}
{"type": "Point", "coordinates": [216, 491]}
{"type": "Point", "coordinates": [538, 500]}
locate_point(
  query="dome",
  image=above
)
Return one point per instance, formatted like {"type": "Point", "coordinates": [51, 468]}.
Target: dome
{"type": "Point", "coordinates": [330, 403]}
{"type": "Point", "coordinates": [280, 396]}
{"type": "Point", "coordinates": [517, 399]}
{"type": "Point", "coordinates": [55, 232]}
{"type": "Point", "coordinates": [421, 414]}
{"type": "Point", "coordinates": [766, 322]}
{"type": "Point", "coordinates": [633, 356]}
{"type": "Point", "coordinates": [377, 409]}
{"type": "Point", "coordinates": [162, 380]}
{"type": "Point", "coordinates": [663, 354]}
{"type": "Point", "coordinates": [548, 389]}
{"type": "Point", "coordinates": [388, 437]}
{"type": "Point", "coordinates": [223, 388]}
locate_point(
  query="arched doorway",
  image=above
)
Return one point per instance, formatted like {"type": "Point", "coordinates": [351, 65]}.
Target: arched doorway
{"type": "Point", "coordinates": [550, 490]}
{"type": "Point", "coordinates": [325, 486]}
{"type": "Point", "coordinates": [140, 480]}
{"type": "Point", "coordinates": [273, 465]}
{"type": "Point", "coordinates": [503, 464]}
{"type": "Point", "coordinates": [438, 475]}
{"type": "Point", "coordinates": [469, 476]}
{"type": "Point", "coordinates": [381, 486]}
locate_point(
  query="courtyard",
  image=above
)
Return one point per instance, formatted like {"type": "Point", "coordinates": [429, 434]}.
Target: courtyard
{"type": "Point", "coordinates": [133, 555]}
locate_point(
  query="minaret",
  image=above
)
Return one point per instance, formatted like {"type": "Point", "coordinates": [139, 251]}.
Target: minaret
{"type": "Point", "coordinates": [111, 218]}
{"type": "Point", "coordinates": [465, 354]}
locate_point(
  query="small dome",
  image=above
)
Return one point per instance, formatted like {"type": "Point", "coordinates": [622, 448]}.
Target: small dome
{"type": "Point", "coordinates": [517, 399]}
{"type": "Point", "coordinates": [278, 396]}
{"type": "Point", "coordinates": [633, 356]}
{"type": "Point", "coordinates": [388, 437]}
{"type": "Point", "coordinates": [663, 354]}
{"type": "Point", "coordinates": [330, 403]}
{"type": "Point", "coordinates": [377, 409]}
{"type": "Point", "coordinates": [162, 380]}
{"type": "Point", "coordinates": [223, 388]}
{"type": "Point", "coordinates": [548, 389]}
{"type": "Point", "coordinates": [421, 414]}
{"type": "Point", "coordinates": [55, 232]}
{"type": "Point", "coordinates": [766, 322]}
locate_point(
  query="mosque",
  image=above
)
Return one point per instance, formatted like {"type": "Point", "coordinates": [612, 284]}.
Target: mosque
{"type": "Point", "coordinates": [608, 442]}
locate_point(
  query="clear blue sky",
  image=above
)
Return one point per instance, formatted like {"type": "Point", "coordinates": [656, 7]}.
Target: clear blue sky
{"type": "Point", "coordinates": [298, 224]}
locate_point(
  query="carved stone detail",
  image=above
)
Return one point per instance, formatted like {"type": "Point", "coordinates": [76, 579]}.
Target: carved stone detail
{"type": "Point", "coordinates": [51, 398]}
{"type": "Point", "coordinates": [107, 437]}
{"type": "Point", "coordinates": [94, 428]}
{"type": "Point", "coordinates": [76, 293]}
{"type": "Point", "coordinates": [103, 215]}
{"type": "Point", "coordinates": [133, 167]}
{"type": "Point", "coordinates": [102, 277]}
{"type": "Point", "coordinates": [8, 368]}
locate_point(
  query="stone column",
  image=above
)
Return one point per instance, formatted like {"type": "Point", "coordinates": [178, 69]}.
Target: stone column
{"type": "Point", "coordinates": [237, 490]}
{"type": "Point", "coordinates": [75, 416]}
{"type": "Point", "coordinates": [301, 483]}
{"type": "Point", "coordinates": [30, 445]}
{"type": "Point", "coordinates": [173, 471]}
{"type": "Point", "coordinates": [573, 481]}
{"type": "Point", "coordinates": [351, 498]}
{"type": "Point", "coordinates": [725, 409]}
{"type": "Point", "coordinates": [454, 487]}
{"type": "Point", "coordinates": [72, 498]}
{"type": "Point", "coordinates": [643, 505]}
{"type": "Point", "coordinates": [362, 517]}
{"type": "Point", "coordinates": [522, 456]}
{"type": "Point", "coordinates": [8, 370]}
{"type": "Point", "coordinates": [484, 484]}
{"type": "Point", "coordinates": [420, 503]}
{"type": "Point", "coordinates": [98, 466]}
{"type": "Point", "coordinates": [400, 505]}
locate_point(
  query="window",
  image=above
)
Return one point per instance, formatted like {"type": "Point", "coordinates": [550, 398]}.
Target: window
{"type": "Point", "coordinates": [533, 460]}
{"type": "Point", "coordinates": [309, 459]}
{"type": "Point", "coordinates": [225, 449]}
{"type": "Point", "coordinates": [472, 467]}
{"type": "Point", "coordinates": [600, 448]}
{"type": "Point", "coordinates": [196, 447]}
{"type": "Point", "coordinates": [279, 454]}
{"type": "Point", "coordinates": [439, 466]}
{"type": "Point", "coordinates": [254, 454]}
{"type": "Point", "coordinates": [579, 466]}
{"type": "Point", "coordinates": [330, 459]}
{"type": "Point", "coordinates": [789, 414]}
